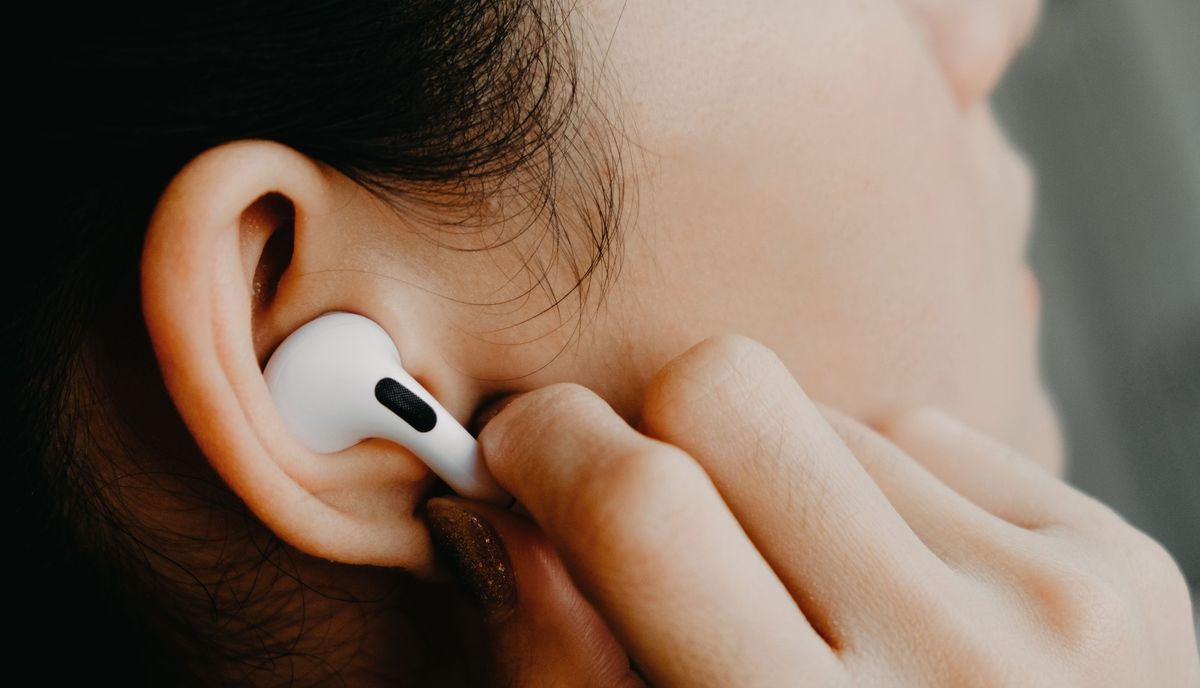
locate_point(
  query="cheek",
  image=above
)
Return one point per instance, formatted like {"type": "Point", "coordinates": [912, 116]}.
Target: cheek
{"type": "Point", "coordinates": [808, 187]}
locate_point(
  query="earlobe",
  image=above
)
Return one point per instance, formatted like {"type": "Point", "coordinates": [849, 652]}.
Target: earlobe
{"type": "Point", "coordinates": [222, 284]}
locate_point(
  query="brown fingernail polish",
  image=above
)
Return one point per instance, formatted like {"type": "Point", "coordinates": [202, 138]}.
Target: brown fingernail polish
{"type": "Point", "coordinates": [473, 551]}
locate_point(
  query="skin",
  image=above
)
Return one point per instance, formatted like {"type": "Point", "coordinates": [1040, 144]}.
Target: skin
{"type": "Point", "coordinates": [829, 181]}
{"type": "Point", "coordinates": [922, 552]}
{"type": "Point", "coordinates": [825, 180]}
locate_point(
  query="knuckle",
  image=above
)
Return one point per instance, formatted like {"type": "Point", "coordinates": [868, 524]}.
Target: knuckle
{"type": "Point", "coordinates": [560, 404]}
{"type": "Point", "coordinates": [739, 346]}
{"type": "Point", "coordinates": [561, 399]}
{"type": "Point", "coordinates": [1135, 591]}
{"type": "Point", "coordinates": [1099, 601]}
{"type": "Point", "coordinates": [953, 639]}
{"type": "Point", "coordinates": [1084, 607]}
{"type": "Point", "coordinates": [633, 506]}
{"type": "Point", "coordinates": [1101, 625]}
{"type": "Point", "coordinates": [1094, 590]}
{"type": "Point", "coordinates": [1142, 557]}
{"type": "Point", "coordinates": [1095, 518]}
{"type": "Point", "coordinates": [725, 369]}
{"type": "Point", "coordinates": [1151, 565]}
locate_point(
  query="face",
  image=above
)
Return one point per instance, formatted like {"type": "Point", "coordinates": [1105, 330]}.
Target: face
{"type": "Point", "coordinates": [827, 178]}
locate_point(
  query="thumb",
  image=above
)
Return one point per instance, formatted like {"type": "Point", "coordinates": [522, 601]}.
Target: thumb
{"type": "Point", "coordinates": [541, 630]}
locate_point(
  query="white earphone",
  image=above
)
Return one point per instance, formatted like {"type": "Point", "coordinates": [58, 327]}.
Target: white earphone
{"type": "Point", "coordinates": [338, 380]}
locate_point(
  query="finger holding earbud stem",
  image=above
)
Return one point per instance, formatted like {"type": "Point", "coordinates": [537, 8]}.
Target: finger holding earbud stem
{"type": "Point", "coordinates": [489, 411]}
{"type": "Point", "coordinates": [338, 380]}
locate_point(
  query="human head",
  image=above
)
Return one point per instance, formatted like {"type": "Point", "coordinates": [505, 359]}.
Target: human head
{"type": "Point", "coordinates": [521, 195]}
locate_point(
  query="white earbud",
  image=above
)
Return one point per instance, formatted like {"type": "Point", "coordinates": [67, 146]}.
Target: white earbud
{"type": "Point", "coordinates": [338, 380]}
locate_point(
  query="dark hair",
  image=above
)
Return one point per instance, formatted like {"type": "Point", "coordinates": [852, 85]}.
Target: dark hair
{"type": "Point", "coordinates": [430, 104]}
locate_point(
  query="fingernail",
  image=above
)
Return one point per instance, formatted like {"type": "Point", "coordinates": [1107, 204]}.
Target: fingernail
{"type": "Point", "coordinates": [474, 553]}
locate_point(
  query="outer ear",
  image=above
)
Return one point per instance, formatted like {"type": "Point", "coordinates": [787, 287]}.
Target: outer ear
{"type": "Point", "coordinates": [238, 255]}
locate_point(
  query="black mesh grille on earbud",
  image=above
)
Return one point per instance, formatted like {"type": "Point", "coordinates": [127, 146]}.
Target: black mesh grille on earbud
{"type": "Point", "coordinates": [401, 401]}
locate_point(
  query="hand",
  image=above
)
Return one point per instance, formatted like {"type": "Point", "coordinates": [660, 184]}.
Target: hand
{"type": "Point", "coordinates": [744, 536]}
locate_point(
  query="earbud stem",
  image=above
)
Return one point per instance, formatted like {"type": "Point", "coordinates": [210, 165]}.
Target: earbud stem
{"type": "Point", "coordinates": [453, 455]}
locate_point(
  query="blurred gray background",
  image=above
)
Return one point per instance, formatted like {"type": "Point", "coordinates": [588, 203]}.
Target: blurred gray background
{"type": "Point", "coordinates": [1106, 103]}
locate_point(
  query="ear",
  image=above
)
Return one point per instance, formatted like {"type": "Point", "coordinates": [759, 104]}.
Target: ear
{"type": "Point", "coordinates": [249, 241]}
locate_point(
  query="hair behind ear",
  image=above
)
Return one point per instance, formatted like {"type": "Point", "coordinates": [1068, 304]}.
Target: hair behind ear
{"type": "Point", "coordinates": [121, 99]}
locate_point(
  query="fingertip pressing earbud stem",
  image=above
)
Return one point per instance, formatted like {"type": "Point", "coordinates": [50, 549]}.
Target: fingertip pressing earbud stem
{"type": "Point", "coordinates": [338, 380]}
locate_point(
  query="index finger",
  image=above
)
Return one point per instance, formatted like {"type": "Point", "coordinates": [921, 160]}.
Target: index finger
{"type": "Point", "coordinates": [647, 538]}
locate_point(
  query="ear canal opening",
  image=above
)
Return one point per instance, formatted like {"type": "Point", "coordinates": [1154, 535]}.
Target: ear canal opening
{"type": "Point", "coordinates": [273, 215]}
